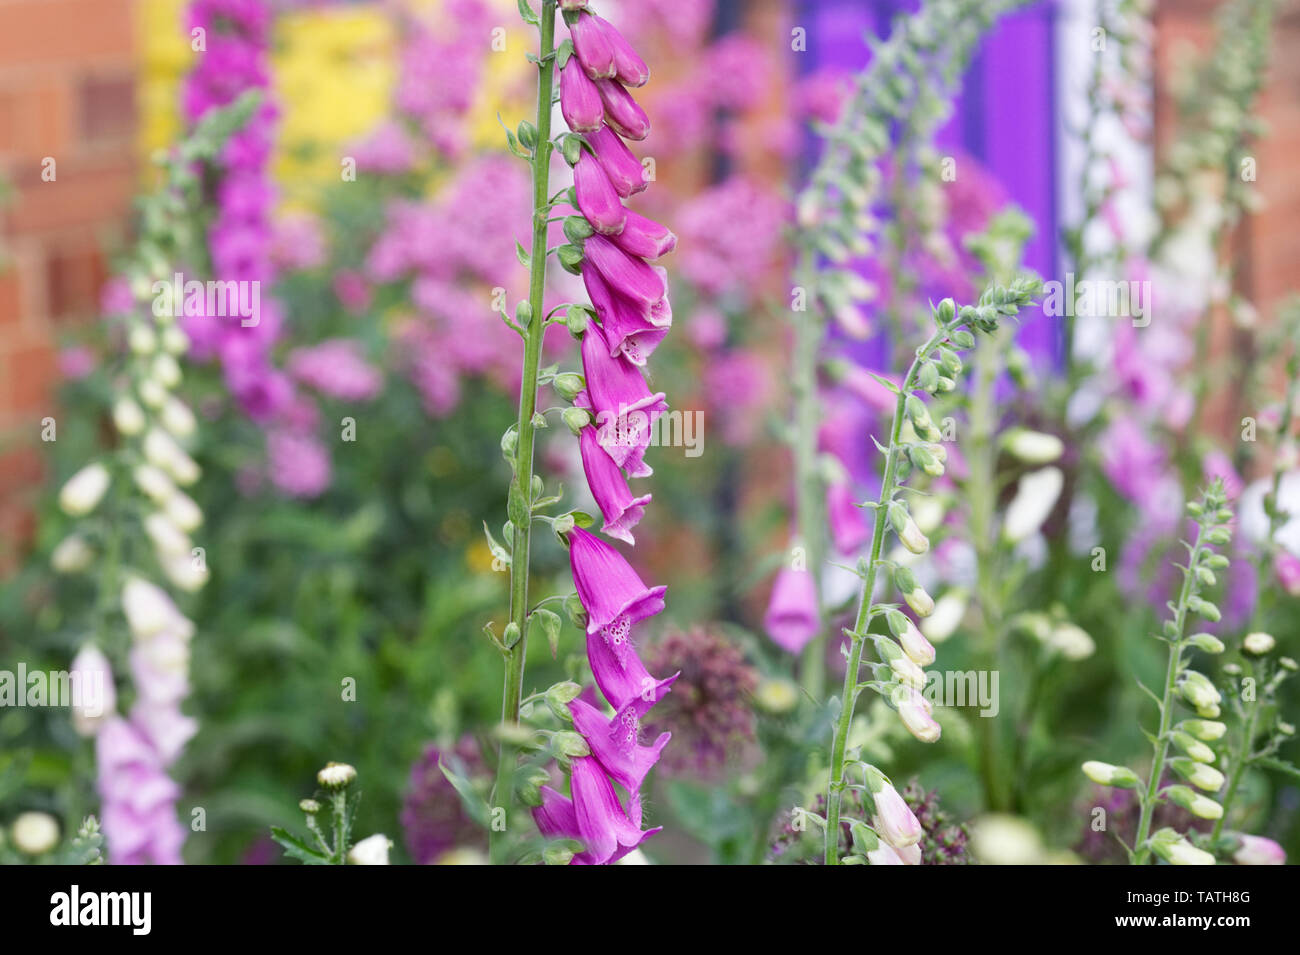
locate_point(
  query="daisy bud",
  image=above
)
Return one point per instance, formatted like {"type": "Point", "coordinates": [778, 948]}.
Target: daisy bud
{"type": "Point", "coordinates": [1104, 774]}
{"type": "Point", "coordinates": [72, 555]}
{"type": "Point", "coordinates": [1194, 748]}
{"type": "Point", "coordinates": [1202, 807]}
{"type": "Point", "coordinates": [336, 776]}
{"type": "Point", "coordinates": [1258, 643]}
{"type": "Point", "coordinates": [1256, 850]}
{"type": "Point", "coordinates": [35, 833]}
{"type": "Point", "coordinates": [84, 490]}
{"type": "Point", "coordinates": [128, 418]}
{"type": "Point", "coordinates": [1198, 774]}
{"type": "Point", "coordinates": [372, 850]}
{"type": "Point", "coordinates": [1033, 447]}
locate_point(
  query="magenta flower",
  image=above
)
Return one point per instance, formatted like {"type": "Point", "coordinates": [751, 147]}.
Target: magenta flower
{"type": "Point", "coordinates": [614, 742]}
{"type": "Point", "coordinates": [629, 68]}
{"type": "Point", "coordinates": [621, 680]}
{"type": "Point", "coordinates": [603, 827]}
{"type": "Point", "coordinates": [613, 595]}
{"type": "Point", "coordinates": [644, 237]}
{"type": "Point", "coordinates": [626, 330]}
{"type": "Point", "coordinates": [847, 525]}
{"type": "Point", "coordinates": [580, 101]}
{"type": "Point", "coordinates": [623, 168]}
{"type": "Point", "coordinates": [626, 274]}
{"type": "Point", "coordinates": [597, 200]}
{"type": "Point", "coordinates": [791, 619]}
{"type": "Point", "coordinates": [624, 407]}
{"type": "Point", "coordinates": [622, 113]}
{"type": "Point", "coordinates": [621, 510]}
{"type": "Point", "coordinates": [591, 46]}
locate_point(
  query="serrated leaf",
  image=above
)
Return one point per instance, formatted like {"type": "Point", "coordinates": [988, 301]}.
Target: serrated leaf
{"type": "Point", "coordinates": [295, 848]}
{"type": "Point", "coordinates": [1280, 765]}
{"type": "Point", "coordinates": [474, 804]}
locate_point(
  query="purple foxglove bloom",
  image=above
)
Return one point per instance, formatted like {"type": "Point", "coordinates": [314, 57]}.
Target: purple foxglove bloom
{"type": "Point", "coordinates": [644, 237]}
{"type": "Point", "coordinates": [592, 47]}
{"type": "Point", "coordinates": [622, 113]}
{"type": "Point", "coordinates": [630, 69]}
{"type": "Point", "coordinates": [627, 332]}
{"type": "Point", "coordinates": [624, 407]}
{"type": "Point", "coordinates": [611, 592]}
{"type": "Point", "coordinates": [623, 680]}
{"type": "Point", "coordinates": [625, 274]}
{"type": "Point", "coordinates": [847, 525]}
{"type": "Point", "coordinates": [604, 827]}
{"type": "Point", "coordinates": [557, 818]}
{"type": "Point", "coordinates": [623, 168]}
{"type": "Point", "coordinates": [597, 199]}
{"type": "Point", "coordinates": [580, 101]}
{"type": "Point", "coordinates": [635, 465]}
{"type": "Point", "coordinates": [614, 742]}
{"type": "Point", "coordinates": [791, 619]}
{"type": "Point", "coordinates": [621, 510]}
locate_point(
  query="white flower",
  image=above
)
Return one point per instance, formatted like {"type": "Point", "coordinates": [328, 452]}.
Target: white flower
{"type": "Point", "coordinates": [168, 539]}
{"type": "Point", "coordinates": [156, 485]}
{"type": "Point", "coordinates": [912, 538]}
{"type": "Point", "coordinates": [1184, 853]}
{"type": "Point", "coordinates": [914, 644]}
{"type": "Point", "coordinates": [166, 371]}
{"type": "Point", "coordinates": [1071, 641]}
{"type": "Point", "coordinates": [71, 555]}
{"type": "Point", "coordinates": [97, 699]}
{"type": "Point", "coordinates": [948, 613]}
{"type": "Point", "coordinates": [185, 514]}
{"type": "Point", "coordinates": [1106, 774]}
{"type": "Point", "coordinates": [175, 341]}
{"type": "Point", "coordinates": [1034, 500]}
{"type": "Point", "coordinates": [1256, 850]}
{"type": "Point", "coordinates": [884, 854]}
{"type": "Point", "coordinates": [336, 775]}
{"type": "Point", "coordinates": [142, 340]}
{"type": "Point", "coordinates": [35, 833]}
{"type": "Point", "coordinates": [149, 611]}
{"type": "Point", "coordinates": [162, 451]}
{"type": "Point", "coordinates": [1006, 840]}
{"type": "Point", "coordinates": [373, 850]}
{"type": "Point", "coordinates": [84, 490]}
{"type": "Point", "coordinates": [1033, 447]}
{"type": "Point", "coordinates": [186, 572]}
{"type": "Point", "coordinates": [894, 821]}
{"type": "Point", "coordinates": [178, 418]}
{"type": "Point", "coordinates": [128, 417]}
{"type": "Point", "coordinates": [1259, 643]}
{"type": "Point", "coordinates": [1206, 777]}
{"type": "Point", "coordinates": [152, 393]}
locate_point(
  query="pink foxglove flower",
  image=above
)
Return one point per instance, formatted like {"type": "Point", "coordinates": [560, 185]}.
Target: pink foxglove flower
{"type": "Point", "coordinates": [621, 680]}
{"type": "Point", "coordinates": [613, 595]}
{"type": "Point", "coordinates": [622, 113]}
{"type": "Point", "coordinates": [593, 816]}
{"type": "Point", "coordinates": [623, 405]}
{"type": "Point", "coordinates": [625, 274]}
{"type": "Point", "coordinates": [644, 237]}
{"type": "Point", "coordinates": [597, 200]}
{"type": "Point", "coordinates": [629, 68]}
{"type": "Point", "coordinates": [1257, 850]}
{"type": "Point", "coordinates": [848, 528]}
{"type": "Point", "coordinates": [592, 47]}
{"type": "Point", "coordinates": [580, 101]}
{"type": "Point", "coordinates": [894, 821]}
{"type": "Point", "coordinates": [623, 168]}
{"type": "Point", "coordinates": [627, 331]}
{"type": "Point", "coordinates": [621, 510]}
{"type": "Point", "coordinates": [791, 619]}
{"type": "Point", "coordinates": [614, 743]}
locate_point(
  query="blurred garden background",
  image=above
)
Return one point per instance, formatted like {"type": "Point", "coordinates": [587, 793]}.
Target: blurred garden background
{"type": "Point", "coordinates": [351, 458]}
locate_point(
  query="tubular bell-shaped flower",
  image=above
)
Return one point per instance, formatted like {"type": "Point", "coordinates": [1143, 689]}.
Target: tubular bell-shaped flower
{"type": "Point", "coordinates": [623, 405]}
{"type": "Point", "coordinates": [621, 510]}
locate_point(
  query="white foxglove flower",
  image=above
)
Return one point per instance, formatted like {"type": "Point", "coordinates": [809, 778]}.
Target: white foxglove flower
{"type": "Point", "coordinates": [372, 850]}
{"type": "Point", "coordinates": [893, 821]}
{"type": "Point", "coordinates": [1071, 642]}
{"type": "Point", "coordinates": [175, 341]}
{"type": "Point", "coordinates": [71, 555]}
{"type": "Point", "coordinates": [1256, 850]}
{"type": "Point", "coordinates": [1033, 447]}
{"type": "Point", "coordinates": [156, 485]}
{"type": "Point", "coordinates": [185, 514]}
{"type": "Point", "coordinates": [947, 617]}
{"type": "Point", "coordinates": [128, 417]}
{"type": "Point", "coordinates": [149, 610]}
{"type": "Point", "coordinates": [186, 573]}
{"type": "Point", "coordinates": [168, 539]}
{"type": "Point", "coordinates": [165, 370]}
{"type": "Point", "coordinates": [142, 340]}
{"type": "Point", "coordinates": [1034, 500]}
{"type": "Point", "coordinates": [96, 700]}
{"type": "Point", "coordinates": [177, 418]}
{"type": "Point", "coordinates": [153, 394]}
{"type": "Point", "coordinates": [1105, 774]}
{"type": "Point", "coordinates": [84, 490]}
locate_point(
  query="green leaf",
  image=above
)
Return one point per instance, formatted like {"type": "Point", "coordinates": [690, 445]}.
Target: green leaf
{"type": "Point", "coordinates": [474, 804]}
{"type": "Point", "coordinates": [522, 255]}
{"type": "Point", "coordinates": [1280, 765]}
{"type": "Point", "coordinates": [295, 848]}
{"type": "Point", "coordinates": [498, 551]}
{"type": "Point", "coordinates": [527, 13]}
{"type": "Point", "coordinates": [550, 623]}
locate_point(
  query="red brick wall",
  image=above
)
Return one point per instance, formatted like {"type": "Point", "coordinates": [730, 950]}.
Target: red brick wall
{"type": "Point", "coordinates": [67, 91]}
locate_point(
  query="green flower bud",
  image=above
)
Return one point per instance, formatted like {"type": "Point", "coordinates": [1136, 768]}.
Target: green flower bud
{"type": "Point", "coordinates": [1207, 642]}
{"type": "Point", "coordinates": [1193, 748]}
{"type": "Point", "coordinates": [571, 257]}
{"type": "Point", "coordinates": [575, 419]}
{"type": "Point", "coordinates": [568, 385]}
{"type": "Point", "coordinates": [1199, 806]}
{"type": "Point", "coordinates": [1199, 774]}
{"type": "Point", "coordinates": [577, 228]}
{"type": "Point", "coordinates": [1206, 730]}
{"type": "Point", "coordinates": [1106, 774]}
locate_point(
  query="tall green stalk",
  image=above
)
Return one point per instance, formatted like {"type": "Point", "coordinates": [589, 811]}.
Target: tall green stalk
{"type": "Point", "coordinates": [519, 503]}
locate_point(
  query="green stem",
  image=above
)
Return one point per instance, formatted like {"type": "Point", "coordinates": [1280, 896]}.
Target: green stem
{"type": "Point", "coordinates": [810, 515]}
{"type": "Point", "coordinates": [1161, 746]}
{"type": "Point", "coordinates": [522, 481]}
{"type": "Point", "coordinates": [1238, 769]}
{"type": "Point", "coordinates": [848, 697]}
